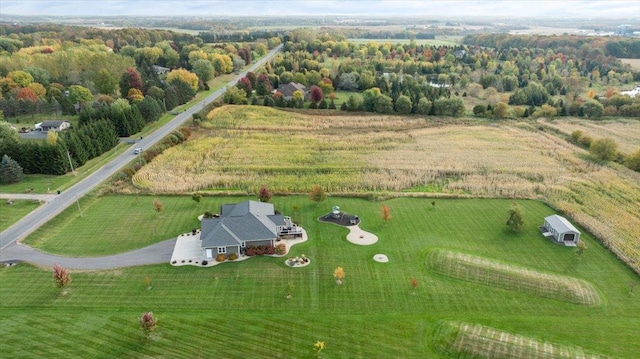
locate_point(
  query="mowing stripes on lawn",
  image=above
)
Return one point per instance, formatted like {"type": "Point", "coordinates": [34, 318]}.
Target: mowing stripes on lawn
{"type": "Point", "coordinates": [488, 272]}
{"type": "Point", "coordinates": [478, 341]}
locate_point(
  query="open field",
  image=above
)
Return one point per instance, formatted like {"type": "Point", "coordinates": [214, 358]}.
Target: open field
{"type": "Point", "coordinates": [374, 314]}
{"type": "Point", "coordinates": [635, 63]}
{"type": "Point", "coordinates": [444, 41]}
{"type": "Point", "coordinates": [461, 339]}
{"type": "Point", "coordinates": [363, 154]}
{"type": "Point", "coordinates": [625, 132]}
{"type": "Point", "coordinates": [507, 276]}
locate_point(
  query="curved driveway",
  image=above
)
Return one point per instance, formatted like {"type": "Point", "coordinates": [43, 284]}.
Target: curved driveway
{"type": "Point", "coordinates": [154, 254]}
{"type": "Point", "coordinates": [10, 251]}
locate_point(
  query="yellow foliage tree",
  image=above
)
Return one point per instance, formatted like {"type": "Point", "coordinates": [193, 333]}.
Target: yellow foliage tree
{"type": "Point", "coordinates": [197, 55]}
{"type": "Point", "coordinates": [38, 89]}
{"type": "Point", "coordinates": [52, 137]}
{"type": "Point", "coordinates": [591, 93]}
{"type": "Point", "coordinates": [338, 274]}
{"type": "Point", "coordinates": [185, 76]}
{"type": "Point", "coordinates": [135, 95]}
{"type": "Point", "coordinates": [222, 63]}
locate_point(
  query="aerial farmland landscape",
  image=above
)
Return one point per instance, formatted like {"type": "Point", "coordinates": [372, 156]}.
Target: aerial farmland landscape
{"type": "Point", "coordinates": [303, 179]}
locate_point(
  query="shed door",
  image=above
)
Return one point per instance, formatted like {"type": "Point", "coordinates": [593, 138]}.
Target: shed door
{"type": "Point", "coordinates": [209, 253]}
{"type": "Point", "coordinates": [569, 237]}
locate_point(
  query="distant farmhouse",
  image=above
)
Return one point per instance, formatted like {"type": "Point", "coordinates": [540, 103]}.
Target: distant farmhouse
{"type": "Point", "coordinates": [244, 224]}
{"type": "Point", "coordinates": [161, 70]}
{"type": "Point", "coordinates": [632, 93]}
{"type": "Point", "coordinates": [560, 231]}
{"type": "Point", "coordinates": [53, 125]}
{"type": "Point", "coordinates": [287, 90]}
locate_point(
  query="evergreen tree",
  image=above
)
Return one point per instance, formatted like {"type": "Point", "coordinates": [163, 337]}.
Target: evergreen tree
{"type": "Point", "coordinates": [10, 171]}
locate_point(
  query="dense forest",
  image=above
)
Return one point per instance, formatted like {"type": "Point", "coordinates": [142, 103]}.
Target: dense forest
{"type": "Point", "coordinates": [584, 46]}
{"type": "Point", "coordinates": [126, 78]}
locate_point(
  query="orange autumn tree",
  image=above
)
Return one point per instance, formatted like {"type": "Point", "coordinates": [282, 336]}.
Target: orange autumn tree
{"type": "Point", "coordinates": [386, 213]}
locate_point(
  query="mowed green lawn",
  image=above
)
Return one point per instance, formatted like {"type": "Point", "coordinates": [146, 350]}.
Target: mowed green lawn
{"type": "Point", "coordinates": [240, 310]}
{"type": "Point", "coordinates": [11, 213]}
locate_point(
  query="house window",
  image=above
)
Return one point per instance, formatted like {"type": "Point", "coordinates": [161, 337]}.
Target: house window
{"type": "Point", "coordinates": [243, 244]}
{"type": "Point", "coordinates": [222, 250]}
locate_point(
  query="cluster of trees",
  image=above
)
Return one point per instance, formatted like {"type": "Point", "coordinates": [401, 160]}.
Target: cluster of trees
{"type": "Point", "coordinates": [606, 149]}
{"type": "Point", "coordinates": [52, 156]}
{"type": "Point", "coordinates": [420, 79]}
{"type": "Point", "coordinates": [40, 63]}
{"type": "Point", "coordinates": [223, 35]}
{"type": "Point", "coordinates": [381, 92]}
{"type": "Point", "coordinates": [586, 47]}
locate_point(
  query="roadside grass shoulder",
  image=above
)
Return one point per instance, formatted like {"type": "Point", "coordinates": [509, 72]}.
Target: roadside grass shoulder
{"type": "Point", "coordinates": [11, 213]}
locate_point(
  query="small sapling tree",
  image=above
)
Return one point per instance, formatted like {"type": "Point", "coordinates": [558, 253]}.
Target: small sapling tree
{"type": "Point", "coordinates": [414, 285]}
{"type": "Point", "coordinates": [290, 288]}
{"type": "Point", "coordinates": [264, 195]}
{"type": "Point", "coordinates": [580, 249]}
{"type": "Point", "coordinates": [196, 197]}
{"type": "Point", "coordinates": [147, 323]}
{"type": "Point", "coordinates": [338, 274]}
{"type": "Point", "coordinates": [147, 282]}
{"type": "Point", "coordinates": [515, 222]}
{"type": "Point", "coordinates": [386, 213]}
{"type": "Point", "coordinates": [158, 206]}
{"type": "Point", "coordinates": [318, 347]}
{"type": "Point", "coordinates": [317, 194]}
{"type": "Point", "coordinates": [61, 276]}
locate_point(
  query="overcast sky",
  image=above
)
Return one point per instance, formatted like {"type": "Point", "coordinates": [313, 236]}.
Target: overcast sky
{"type": "Point", "coordinates": [426, 8]}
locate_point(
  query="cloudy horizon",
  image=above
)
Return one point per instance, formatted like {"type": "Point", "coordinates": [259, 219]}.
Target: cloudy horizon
{"type": "Point", "coordinates": [596, 9]}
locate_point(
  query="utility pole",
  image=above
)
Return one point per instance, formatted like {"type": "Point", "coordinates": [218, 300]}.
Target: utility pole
{"type": "Point", "coordinates": [71, 164]}
{"type": "Point", "coordinates": [78, 203]}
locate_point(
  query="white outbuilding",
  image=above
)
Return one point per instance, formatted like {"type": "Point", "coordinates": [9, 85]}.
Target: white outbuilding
{"type": "Point", "coordinates": [560, 230]}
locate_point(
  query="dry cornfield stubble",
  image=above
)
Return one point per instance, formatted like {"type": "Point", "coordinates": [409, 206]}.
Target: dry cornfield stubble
{"type": "Point", "coordinates": [626, 132]}
{"type": "Point", "coordinates": [241, 148]}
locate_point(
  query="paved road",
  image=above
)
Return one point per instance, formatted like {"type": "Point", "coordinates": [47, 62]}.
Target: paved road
{"type": "Point", "coordinates": [49, 210]}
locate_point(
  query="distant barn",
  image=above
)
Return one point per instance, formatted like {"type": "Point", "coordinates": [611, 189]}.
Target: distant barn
{"type": "Point", "coordinates": [560, 230]}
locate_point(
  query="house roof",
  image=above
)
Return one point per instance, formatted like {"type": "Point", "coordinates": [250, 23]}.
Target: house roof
{"type": "Point", "coordinates": [160, 69]}
{"type": "Point", "coordinates": [560, 224]}
{"type": "Point", "coordinates": [243, 222]}
{"type": "Point", "coordinates": [288, 89]}
{"type": "Point", "coordinates": [51, 123]}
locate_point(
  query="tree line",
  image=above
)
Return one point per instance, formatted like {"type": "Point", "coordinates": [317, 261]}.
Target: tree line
{"type": "Point", "coordinates": [52, 156]}
{"type": "Point", "coordinates": [584, 46]}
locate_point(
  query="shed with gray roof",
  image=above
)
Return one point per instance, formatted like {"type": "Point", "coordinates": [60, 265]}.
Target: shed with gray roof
{"type": "Point", "coordinates": [560, 230]}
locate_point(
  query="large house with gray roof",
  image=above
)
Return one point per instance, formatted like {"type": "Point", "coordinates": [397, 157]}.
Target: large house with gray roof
{"type": "Point", "coordinates": [240, 225]}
